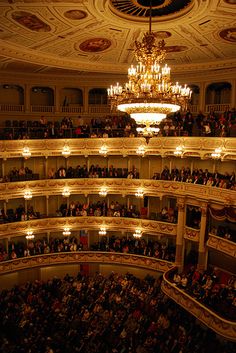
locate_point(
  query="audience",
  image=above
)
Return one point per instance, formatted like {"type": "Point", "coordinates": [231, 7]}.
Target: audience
{"type": "Point", "coordinates": [98, 314]}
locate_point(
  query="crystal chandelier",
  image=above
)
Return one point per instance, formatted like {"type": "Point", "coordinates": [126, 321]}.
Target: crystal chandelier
{"type": "Point", "coordinates": [149, 95]}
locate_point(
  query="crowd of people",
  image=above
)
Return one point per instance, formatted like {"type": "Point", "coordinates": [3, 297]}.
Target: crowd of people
{"type": "Point", "coordinates": [128, 245]}
{"type": "Point", "coordinates": [198, 176]}
{"type": "Point", "coordinates": [208, 288]}
{"type": "Point", "coordinates": [179, 124]}
{"type": "Point", "coordinates": [98, 314]}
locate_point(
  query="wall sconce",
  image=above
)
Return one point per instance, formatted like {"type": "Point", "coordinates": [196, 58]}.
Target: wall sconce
{"type": "Point", "coordinates": [26, 152]}
{"type": "Point", "coordinates": [179, 151]}
{"type": "Point", "coordinates": [102, 231]}
{"type": "Point", "coordinates": [139, 193]}
{"type": "Point", "coordinates": [217, 153]}
{"type": "Point", "coordinates": [66, 151]}
{"type": "Point", "coordinates": [28, 195]}
{"type": "Point", "coordinates": [103, 192]}
{"type": "Point", "coordinates": [29, 235]}
{"type": "Point", "coordinates": [66, 232]}
{"type": "Point", "coordinates": [103, 150]}
{"type": "Point", "coordinates": [141, 151]}
{"type": "Point", "coordinates": [138, 233]}
{"type": "Point", "coordinates": [66, 192]}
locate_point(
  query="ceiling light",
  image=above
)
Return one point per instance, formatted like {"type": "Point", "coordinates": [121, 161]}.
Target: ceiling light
{"type": "Point", "coordinates": [26, 152]}
{"type": "Point", "coordinates": [66, 192]}
{"type": "Point", "coordinates": [28, 195]}
{"type": "Point", "coordinates": [103, 192]}
{"type": "Point", "coordinates": [137, 234]}
{"type": "Point", "coordinates": [102, 231]}
{"type": "Point", "coordinates": [66, 232]}
{"type": "Point", "coordinates": [66, 151]}
{"type": "Point", "coordinates": [149, 95]}
{"type": "Point", "coordinates": [139, 193]}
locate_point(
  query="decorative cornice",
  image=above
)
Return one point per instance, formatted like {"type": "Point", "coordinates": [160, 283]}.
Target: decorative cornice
{"type": "Point", "coordinates": [223, 245]}
{"type": "Point", "coordinates": [209, 318]}
{"type": "Point", "coordinates": [85, 257]}
{"type": "Point", "coordinates": [89, 222]}
{"type": "Point", "coordinates": [156, 188]}
{"type": "Point", "coordinates": [200, 147]}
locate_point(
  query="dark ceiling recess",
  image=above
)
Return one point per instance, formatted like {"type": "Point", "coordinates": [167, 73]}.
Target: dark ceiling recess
{"type": "Point", "coordinates": [140, 8]}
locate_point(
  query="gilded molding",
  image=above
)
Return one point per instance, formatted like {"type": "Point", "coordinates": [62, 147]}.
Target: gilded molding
{"type": "Point", "coordinates": [223, 245]}
{"type": "Point", "coordinates": [200, 147]}
{"type": "Point", "coordinates": [91, 223]}
{"type": "Point", "coordinates": [156, 188]}
{"type": "Point", "coordinates": [215, 322]}
{"type": "Point", "coordinates": [192, 234]}
{"type": "Point", "coordinates": [85, 257]}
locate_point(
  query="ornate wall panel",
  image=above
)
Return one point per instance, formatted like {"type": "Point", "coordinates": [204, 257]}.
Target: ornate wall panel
{"type": "Point", "coordinates": [191, 234]}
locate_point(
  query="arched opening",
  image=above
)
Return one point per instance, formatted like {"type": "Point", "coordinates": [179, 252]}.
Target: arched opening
{"type": "Point", "coordinates": [195, 94]}
{"type": "Point", "coordinates": [98, 96]}
{"type": "Point", "coordinates": [11, 94]}
{"type": "Point", "coordinates": [43, 96]}
{"type": "Point", "coordinates": [71, 96]}
{"type": "Point", "coordinates": [218, 93]}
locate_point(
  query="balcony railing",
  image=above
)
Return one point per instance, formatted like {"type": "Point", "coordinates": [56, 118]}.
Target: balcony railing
{"type": "Point", "coordinates": [42, 108]}
{"type": "Point", "coordinates": [81, 257]}
{"type": "Point", "coordinates": [118, 186]}
{"type": "Point", "coordinates": [41, 225]}
{"type": "Point", "coordinates": [192, 234]}
{"type": "Point", "coordinates": [217, 108]}
{"type": "Point", "coordinates": [106, 109]}
{"type": "Point", "coordinates": [217, 323]}
{"type": "Point", "coordinates": [12, 108]}
{"type": "Point", "coordinates": [72, 109]}
{"type": "Point", "coordinates": [223, 245]}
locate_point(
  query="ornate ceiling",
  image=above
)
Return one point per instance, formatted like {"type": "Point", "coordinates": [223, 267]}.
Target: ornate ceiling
{"type": "Point", "coordinates": [51, 36]}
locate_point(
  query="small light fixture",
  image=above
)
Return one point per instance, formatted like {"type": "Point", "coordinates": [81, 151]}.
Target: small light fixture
{"type": "Point", "coordinates": [141, 151]}
{"type": "Point", "coordinates": [103, 192]}
{"type": "Point", "coordinates": [139, 193]}
{"type": "Point", "coordinates": [103, 150]}
{"type": "Point", "coordinates": [179, 151]}
{"type": "Point", "coordinates": [26, 152]}
{"type": "Point", "coordinates": [29, 235]}
{"type": "Point", "coordinates": [138, 233]}
{"type": "Point", "coordinates": [66, 192]}
{"type": "Point", "coordinates": [28, 195]}
{"type": "Point", "coordinates": [66, 232]}
{"type": "Point", "coordinates": [102, 231]}
{"type": "Point", "coordinates": [66, 151]}
{"type": "Point", "coordinates": [217, 153]}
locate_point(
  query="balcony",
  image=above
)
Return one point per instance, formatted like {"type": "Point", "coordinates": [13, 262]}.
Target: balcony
{"type": "Point", "coordinates": [221, 326]}
{"type": "Point", "coordinates": [223, 245]}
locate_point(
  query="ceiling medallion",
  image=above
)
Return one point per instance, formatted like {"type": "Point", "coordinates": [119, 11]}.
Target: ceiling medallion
{"type": "Point", "coordinates": [140, 8]}
{"type": "Point", "coordinates": [94, 45]}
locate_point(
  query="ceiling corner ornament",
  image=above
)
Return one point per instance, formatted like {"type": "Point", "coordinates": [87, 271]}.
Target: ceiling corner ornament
{"type": "Point", "coordinates": [149, 95]}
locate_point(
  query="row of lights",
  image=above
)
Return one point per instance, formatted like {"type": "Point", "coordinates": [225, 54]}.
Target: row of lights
{"type": "Point", "coordinates": [66, 232]}
{"type": "Point", "coordinates": [179, 151]}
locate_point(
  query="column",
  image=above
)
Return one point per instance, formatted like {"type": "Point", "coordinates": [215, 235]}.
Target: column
{"type": "Point", "coordinates": [202, 251]}
{"type": "Point", "coordinates": [57, 99]}
{"type": "Point", "coordinates": [27, 98]}
{"type": "Point", "coordinates": [179, 256]}
{"type": "Point", "coordinates": [5, 206]}
{"type": "Point", "coordinates": [86, 100]}
{"type": "Point", "coordinates": [46, 168]}
{"type": "Point", "coordinates": [149, 169]}
{"type": "Point", "coordinates": [3, 168]}
{"type": "Point", "coordinates": [47, 209]}
{"type": "Point", "coordinates": [202, 97]}
{"type": "Point", "coordinates": [48, 236]}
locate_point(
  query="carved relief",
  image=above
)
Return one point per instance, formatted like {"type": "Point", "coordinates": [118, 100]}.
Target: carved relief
{"type": "Point", "coordinates": [30, 21]}
{"type": "Point", "coordinates": [94, 45]}
{"type": "Point", "coordinates": [220, 244]}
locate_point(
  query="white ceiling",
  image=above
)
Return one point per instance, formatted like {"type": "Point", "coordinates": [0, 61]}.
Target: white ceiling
{"type": "Point", "coordinates": [54, 36]}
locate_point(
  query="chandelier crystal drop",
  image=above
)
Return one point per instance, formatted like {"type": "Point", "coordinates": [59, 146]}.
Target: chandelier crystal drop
{"type": "Point", "coordinates": [149, 95]}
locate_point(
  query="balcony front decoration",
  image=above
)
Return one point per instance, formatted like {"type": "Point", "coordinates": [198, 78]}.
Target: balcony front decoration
{"type": "Point", "coordinates": [103, 192]}
{"type": "Point", "coordinates": [149, 95]}
{"type": "Point", "coordinates": [26, 152]}
{"type": "Point", "coordinates": [66, 192]}
{"type": "Point", "coordinates": [139, 193]}
{"type": "Point", "coordinates": [103, 151]}
{"type": "Point", "coordinates": [141, 151]}
{"type": "Point", "coordinates": [179, 151]}
{"type": "Point", "coordinates": [66, 151]}
{"type": "Point", "coordinates": [217, 153]}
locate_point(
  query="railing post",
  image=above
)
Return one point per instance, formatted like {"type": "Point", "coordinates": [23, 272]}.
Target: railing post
{"type": "Point", "coordinates": [179, 256]}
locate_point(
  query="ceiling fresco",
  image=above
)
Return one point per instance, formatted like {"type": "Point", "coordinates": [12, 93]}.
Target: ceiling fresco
{"type": "Point", "coordinates": [98, 36]}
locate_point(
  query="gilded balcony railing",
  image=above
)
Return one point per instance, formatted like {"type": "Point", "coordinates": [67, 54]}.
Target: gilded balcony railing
{"type": "Point", "coordinates": [223, 245]}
